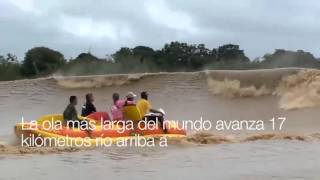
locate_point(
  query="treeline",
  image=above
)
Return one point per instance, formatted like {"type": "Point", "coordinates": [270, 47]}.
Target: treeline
{"type": "Point", "coordinates": [175, 56]}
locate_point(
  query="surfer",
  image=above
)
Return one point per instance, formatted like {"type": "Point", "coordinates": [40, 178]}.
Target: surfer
{"type": "Point", "coordinates": [88, 108]}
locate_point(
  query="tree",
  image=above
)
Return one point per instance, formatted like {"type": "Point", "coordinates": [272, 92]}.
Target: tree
{"type": "Point", "coordinates": [284, 58]}
{"type": "Point", "coordinates": [11, 58]}
{"type": "Point", "coordinates": [9, 68]}
{"type": "Point", "coordinates": [142, 53]}
{"type": "Point", "coordinates": [231, 52]}
{"type": "Point", "coordinates": [86, 57]}
{"type": "Point", "coordinates": [122, 54]}
{"type": "Point", "coordinates": [199, 57]}
{"type": "Point", "coordinates": [183, 56]}
{"type": "Point", "coordinates": [175, 56]}
{"type": "Point", "coordinates": [42, 61]}
{"type": "Point", "coordinates": [2, 60]}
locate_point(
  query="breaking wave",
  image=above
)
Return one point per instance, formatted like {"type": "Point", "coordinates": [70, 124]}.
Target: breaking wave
{"type": "Point", "coordinates": [97, 81]}
{"type": "Point", "coordinates": [300, 90]}
{"type": "Point", "coordinates": [232, 88]}
{"type": "Point", "coordinates": [297, 88]}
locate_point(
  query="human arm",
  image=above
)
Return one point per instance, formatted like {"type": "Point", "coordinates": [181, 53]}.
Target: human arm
{"type": "Point", "coordinates": [74, 114]}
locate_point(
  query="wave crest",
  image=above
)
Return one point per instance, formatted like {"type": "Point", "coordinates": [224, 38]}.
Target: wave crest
{"type": "Point", "coordinates": [296, 89]}
{"type": "Point", "coordinates": [300, 90]}
{"type": "Point", "coordinates": [232, 88]}
{"type": "Point", "coordinates": [96, 81]}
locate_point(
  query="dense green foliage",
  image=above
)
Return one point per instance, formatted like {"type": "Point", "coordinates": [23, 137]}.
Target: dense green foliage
{"type": "Point", "coordinates": [10, 71]}
{"type": "Point", "coordinates": [178, 56]}
{"type": "Point", "coordinates": [86, 64]}
{"type": "Point", "coordinates": [282, 58]}
{"type": "Point", "coordinates": [42, 61]}
{"type": "Point", "coordinates": [9, 68]}
{"type": "Point", "coordinates": [175, 56]}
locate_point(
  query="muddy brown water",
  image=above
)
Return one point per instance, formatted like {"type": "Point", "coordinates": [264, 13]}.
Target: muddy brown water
{"type": "Point", "coordinates": [290, 153]}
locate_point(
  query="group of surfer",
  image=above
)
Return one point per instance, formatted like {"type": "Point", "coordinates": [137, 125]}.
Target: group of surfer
{"type": "Point", "coordinates": [117, 109]}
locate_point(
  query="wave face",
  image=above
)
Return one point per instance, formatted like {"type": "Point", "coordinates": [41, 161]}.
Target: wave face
{"type": "Point", "coordinates": [297, 88]}
{"type": "Point", "coordinates": [97, 81]}
{"type": "Point", "coordinates": [300, 90]}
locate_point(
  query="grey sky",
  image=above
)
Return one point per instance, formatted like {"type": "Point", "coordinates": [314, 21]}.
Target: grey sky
{"type": "Point", "coordinates": [74, 26]}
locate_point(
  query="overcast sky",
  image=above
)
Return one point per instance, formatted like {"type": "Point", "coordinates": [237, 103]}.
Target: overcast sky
{"type": "Point", "coordinates": [74, 26]}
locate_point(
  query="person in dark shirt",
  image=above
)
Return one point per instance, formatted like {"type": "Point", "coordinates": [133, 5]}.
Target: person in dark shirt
{"type": "Point", "coordinates": [88, 108]}
{"type": "Point", "coordinates": [71, 119]}
{"type": "Point", "coordinates": [70, 113]}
